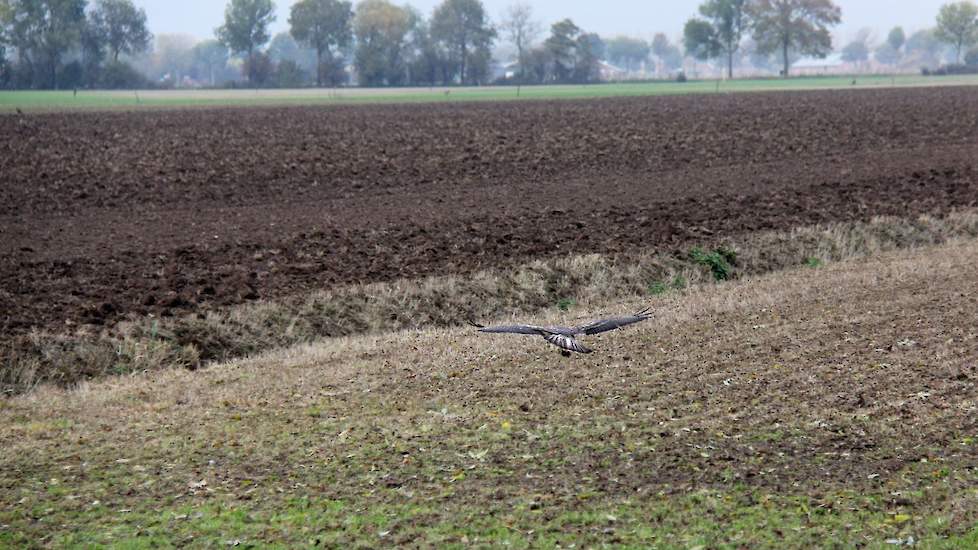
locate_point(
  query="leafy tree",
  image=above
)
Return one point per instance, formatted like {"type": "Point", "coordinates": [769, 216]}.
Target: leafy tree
{"type": "Point", "coordinates": [897, 38]}
{"type": "Point", "coordinates": [887, 55]}
{"type": "Point", "coordinates": [573, 54]}
{"type": "Point", "coordinates": [6, 15]}
{"type": "Point", "coordinates": [4, 66]}
{"type": "Point", "coordinates": [119, 75]}
{"type": "Point", "coordinates": [93, 46]}
{"type": "Point", "coordinates": [245, 30]}
{"type": "Point", "coordinates": [210, 59]}
{"type": "Point", "coordinates": [71, 75]}
{"type": "Point", "coordinates": [122, 26]}
{"type": "Point", "coordinates": [889, 52]}
{"type": "Point", "coordinates": [669, 55]}
{"type": "Point", "coordinates": [971, 58]}
{"type": "Point", "coordinates": [261, 68]}
{"type": "Point", "coordinates": [590, 51]}
{"type": "Point", "coordinates": [699, 38]}
{"type": "Point", "coordinates": [957, 24]}
{"type": "Point", "coordinates": [762, 60]}
{"type": "Point", "coordinates": [464, 31]}
{"type": "Point", "coordinates": [288, 74]}
{"type": "Point", "coordinates": [284, 48]}
{"type": "Point", "coordinates": [14, 33]}
{"type": "Point", "coordinates": [628, 52]}
{"type": "Point", "coordinates": [539, 64]}
{"type": "Point", "coordinates": [172, 58]}
{"type": "Point", "coordinates": [6, 74]}
{"type": "Point", "coordinates": [856, 52]}
{"type": "Point", "coordinates": [324, 25]}
{"type": "Point", "coordinates": [562, 45]}
{"type": "Point", "coordinates": [924, 46]}
{"type": "Point", "coordinates": [521, 29]}
{"type": "Point", "coordinates": [334, 71]}
{"type": "Point", "coordinates": [381, 30]}
{"type": "Point", "coordinates": [719, 32]}
{"type": "Point", "coordinates": [60, 31]}
{"type": "Point", "coordinates": [424, 58]}
{"type": "Point", "coordinates": [596, 44]}
{"type": "Point", "coordinates": [479, 67]}
{"type": "Point", "coordinates": [794, 25]}
{"type": "Point", "coordinates": [42, 32]}
{"type": "Point", "coordinates": [660, 44]}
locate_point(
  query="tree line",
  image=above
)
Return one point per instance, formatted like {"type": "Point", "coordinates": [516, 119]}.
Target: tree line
{"type": "Point", "coordinates": [955, 36]}
{"type": "Point", "coordinates": [82, 43]}
{"type": "Point", "coordinates": [792, 28]}
{"type": "Point", "coordinates": [393, 45]}
{"type": "Point", "coordinates": [68, 43]}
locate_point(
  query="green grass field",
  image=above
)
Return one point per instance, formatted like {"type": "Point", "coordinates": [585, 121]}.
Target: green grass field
{"type": "Point", "coordinates": [67, 100]}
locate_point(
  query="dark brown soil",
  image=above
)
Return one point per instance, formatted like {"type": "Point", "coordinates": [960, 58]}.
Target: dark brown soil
{"type": "Point", "coordinates": [104, 215]}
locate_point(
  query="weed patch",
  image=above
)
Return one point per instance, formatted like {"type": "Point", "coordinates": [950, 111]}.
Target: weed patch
{"type": "Point", "coordinates": [658, 288]}
{"type": "Point", "coordinates": [720, 261]}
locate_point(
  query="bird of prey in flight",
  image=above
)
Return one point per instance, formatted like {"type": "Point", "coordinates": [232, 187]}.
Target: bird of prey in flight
{"type": "Point", "coordinates": [565, 337]}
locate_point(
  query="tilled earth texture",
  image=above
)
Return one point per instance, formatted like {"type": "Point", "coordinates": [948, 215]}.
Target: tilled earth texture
{"type": "Point", "coordinates": [108, 215]}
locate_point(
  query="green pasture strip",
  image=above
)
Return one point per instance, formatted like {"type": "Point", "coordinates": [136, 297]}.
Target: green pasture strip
{"type": "Point", "coordinates": [100, 100]}
{"type": "Point", "coordinates": [282, 489]}
{"type": "Point", "coordinates": [728, 518]}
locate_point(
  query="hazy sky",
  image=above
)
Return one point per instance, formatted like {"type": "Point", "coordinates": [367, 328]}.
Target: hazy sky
{"type": "Point", "coordinates": [642, 18]}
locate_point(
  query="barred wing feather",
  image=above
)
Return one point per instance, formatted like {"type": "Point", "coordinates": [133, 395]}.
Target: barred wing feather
{"type": "Point", "coordinates": [513, 329]}
{"type": "Point", "coordinates": [611, 323]}
{"type": "Point", "coordinates": [568, 343]}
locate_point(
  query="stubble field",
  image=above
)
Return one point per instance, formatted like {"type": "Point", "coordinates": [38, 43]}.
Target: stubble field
{"type": "Point", "coordinates": [819, 405]}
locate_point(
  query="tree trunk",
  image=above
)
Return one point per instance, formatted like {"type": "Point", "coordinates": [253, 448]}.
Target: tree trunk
{"type": "Point", "coordinates": [730, 63]}
{"type": "Point", "coordinates": [251, 65]}
{"type": "Point", "coordinates": [786, 64]}
{"type": "Point", "coordinates": [53, 60]}
{"type": "Point", "coordinates": [23, 58]}
{"type": "Point", "coordinates": [319, 68]}
{"type": "Point", "coordinates": [522, 60]}
{"type": "Point", "coordinates": [462, 68]}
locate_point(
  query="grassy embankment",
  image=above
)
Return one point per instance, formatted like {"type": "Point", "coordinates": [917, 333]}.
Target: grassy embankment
{"type": "Point", "coordinates": [586, 281]}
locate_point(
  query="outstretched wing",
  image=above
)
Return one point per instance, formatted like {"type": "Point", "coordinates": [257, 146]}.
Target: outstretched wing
{"type": "Point", "coordinates": [611, 323]}
{"type": "Point", "coordinates": [568, 343]}
{"type": "Point", "coordinates": [563, 337]}
{"type": "Point", "coordinates": [510, 329]}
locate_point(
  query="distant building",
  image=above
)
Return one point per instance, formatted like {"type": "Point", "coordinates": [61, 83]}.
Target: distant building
{"type": "Point", "coordinates": [612, 73]}
{"type": "Point", "coordinates": [505, 70]}
{"type": "Point", "coordinates": [831, 65]}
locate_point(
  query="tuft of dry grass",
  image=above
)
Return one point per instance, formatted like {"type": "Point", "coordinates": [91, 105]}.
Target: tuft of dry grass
{"type": "Point", "coordinates": [39, 357]}
{"type": "Point", "coordinates": [190, 341]}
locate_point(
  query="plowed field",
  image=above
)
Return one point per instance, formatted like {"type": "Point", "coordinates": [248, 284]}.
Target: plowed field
{"type": "Point", "coordinates": [104, 215]}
